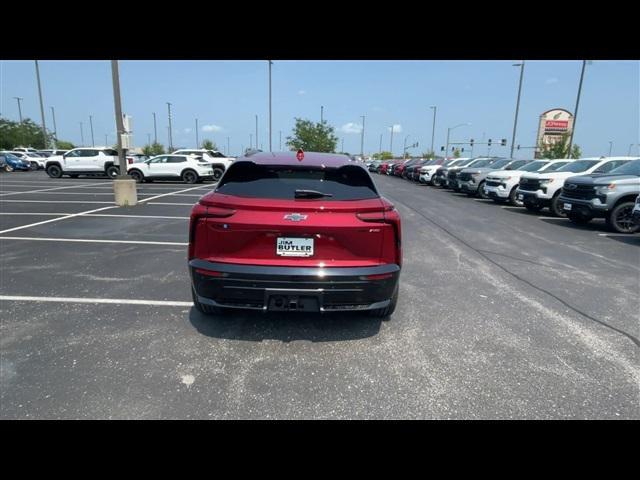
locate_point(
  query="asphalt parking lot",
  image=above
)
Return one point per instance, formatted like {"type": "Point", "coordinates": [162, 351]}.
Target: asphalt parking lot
{"type": "Point", "coordinates": [502, 314]}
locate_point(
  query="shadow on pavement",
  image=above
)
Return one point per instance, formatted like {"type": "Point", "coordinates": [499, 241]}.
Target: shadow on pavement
{"type": "Point", "coordinates": [258, 326]}
{"type": "Point", "coordinates": [629, 239]}
{"type": "Point", "coordinates": [593, 226]}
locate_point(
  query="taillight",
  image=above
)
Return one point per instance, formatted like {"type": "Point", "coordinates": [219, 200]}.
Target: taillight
{"type": "Point", "coordinates": [371, 216]}
{"type": "Point", "coordinates": [129, 161]}
{"type": "Point", "coordinates": [219, 212]}
{"type": "Point", "coordinates": [380, 276]}
{"type": "Point", "coordinates": [211, 273]}
{"type": "Point", "coordinates": [199, 212]}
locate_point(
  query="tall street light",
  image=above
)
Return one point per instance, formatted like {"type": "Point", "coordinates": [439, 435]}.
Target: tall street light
{"type": "Point", "coordinates": [270, 148]}
{"type": "Point", "coordinates": [515, 120]}
{"type": "Point", "coordinates": [81, 134]}
{"type": "Point", "coordinates": [380, 149]}
{"type": "Point", "coordinates": [433, 128]}
{"type": "Point", "coordinates": [404, 147]}
{"type": "Point", "coordinates": [19, 107]}
{"type": "Point", "coordinates": [93, 143]}
{"type": "Point", "coordinates": [575, 112]}
{"type": "Point", "coordinates": [170, 133]}
{"type": "Point", "coordinates": [610, 147]}
{"type": "Point", "coordinates": [197, 139]}
{"type": "Point", "coordinates": [321, 113]}
{"type": "Point", "coordinates": [446, 153]}
{"type": "Point", "coordinates": [44, 126]}
{"type": "Point", "coordinates": [256, 132]}
{"type": "Point", "coordinates": [55, 128]}
{"type": "Point", "coordinates": [391, 142]}
{"type": "Point", "coordinates": [362, 139]}
{"type": "Point", "coordinates": [155, 130]}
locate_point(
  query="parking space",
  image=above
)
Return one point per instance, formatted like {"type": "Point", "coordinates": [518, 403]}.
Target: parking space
{"type": "Point", "coordinates": [502, 314]}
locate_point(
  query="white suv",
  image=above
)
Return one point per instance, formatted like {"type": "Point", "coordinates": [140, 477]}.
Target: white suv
{"type": "Point", "coordinates": [218, 161]}
{"type": "Point", "coordinates": [187, 168]}
{"type": "Point", "coordinates": [539, 190]}
{"type": "Point", "coordinates": [83, 161]}
{"type": "Point", "coordinates": [502, 185]}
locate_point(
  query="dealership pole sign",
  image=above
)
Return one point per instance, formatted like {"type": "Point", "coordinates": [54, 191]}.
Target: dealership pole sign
{"type": "Point", "coordinates": [554, 124]}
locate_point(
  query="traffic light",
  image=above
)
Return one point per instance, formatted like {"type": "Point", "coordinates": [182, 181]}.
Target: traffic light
{"type": "Point", "coordinates": [442, 149]}
{"type": "Point", "coordinates": [489, 143]}
{"type": "Point", "coordinates": [518, 147]}
{"type": "Point", "coordinates": [471, 142]}
{"type": "Point", "coordinates": [503, 143]}
{"type": "Point", "coordinates": [462, 149]}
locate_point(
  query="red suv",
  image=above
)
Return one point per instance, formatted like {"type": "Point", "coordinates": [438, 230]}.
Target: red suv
{"type": "Point", "coordinates": [295, 232]}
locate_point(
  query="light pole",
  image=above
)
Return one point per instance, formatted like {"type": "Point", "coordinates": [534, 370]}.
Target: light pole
{"type": "Point", "coordinates": [391, 142]}
{"type": "Point", "coordinates": [115, 76]}
{"type": "Point", "coordinates": [197, 139]}
{"type": "Point", "coordinates": [170, 135]}
{"type": "Point", "coordinates": [515, 120]}
{"type": "Point", "coordinates": [19, 107]}
{"type": "Point", "coordinates": [342, 149]}
{"type": "Point", "coordinates": [155, 130]}
{"type": "Point", "coordinates": [55, 128]}
{"type": "Point", "coordinates": [362, 139]}
{"type": "Point", "coordinates": [575, 112]}
{"type": "Point", "coordinates": [610, 147]}
{"type": "Point", "coordinates": [44, 126]}
{"type": "Point", "coordinates": [270, 63]}
{"type": "Point", "coordinates": [380, 150]}
{"type": "Point", "coordinates": [256, 132]}
{"type": "Point", "coordinates": [228, 146]}
{"type": "Point", "coordinates": [433, 129]}
{"type": "Point", "coordinates": [81, 134]}
{"type": "Point", "coordinates": [93, 143]}
{"type": "Point", "coordinates": [404, 147]}
{"type": "Point", "coordinates": [280, 148]}
{"type": "Point", "coordinates": [250, 140]}
{"type": "Point", "coordinates": [446, 153]}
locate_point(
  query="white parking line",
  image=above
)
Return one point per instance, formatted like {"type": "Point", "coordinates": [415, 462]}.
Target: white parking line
{"type": "Point", "coordinates": [123, 301]}
{"type": "Point", "coordinates": [83, 240]}
{"type": "Point", "coordinates": [56, 201]}
{"type": "Point", "coordinates": [49, 191]}
{"type": "Point", "coordinates": [165, 203]}
{"type": "Point", "coordinates": [94, 215]}
{"type": "Point", "coordinates": [55, 219]}
{"type": "Point", "coordinates": [172, 193]}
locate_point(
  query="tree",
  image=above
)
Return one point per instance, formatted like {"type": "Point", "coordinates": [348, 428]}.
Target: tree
{"type": "Point", "coordinates": [456, 153]}
{"type": "Point", "coordinates": [153, 149]}
{"type": "Point", "coordinates": [209, 145]}
{"type": "Point", "coordinates": [312, 137]}
{"type": "Point", "coordinates": [560, 149]}
{"type": "Point", "coordinates": [383, 156]}
{"type": "Point", "coordinates": [25, 134]}
{"type": "Point", "coordinates": [62, 145]}
{"type": "Point", "coordinates": [429, 154]}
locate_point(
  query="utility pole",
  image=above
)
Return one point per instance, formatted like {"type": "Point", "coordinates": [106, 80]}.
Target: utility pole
{"type": "Point", "coordinates": [321, 114]}
{"type": "Point", "coordinates": [362, 139]}
{"type": "Point", "coordinates": [270, 63]}
{"type": "Point", "coordinates": [391, 142]}
{"type": "Point", "coordinates": [380, 150]}
{"type": "Point", "coordinates": [433, 128]}
{"type": "Point", "coordinates": [81, 134]}
{"type": "Point", "coordinates": [256, 132]}
{"type": "Point", "coordinates": [170, 135]}
{"type": "Point", "coordinates": [515, 120]}
{"type": "Point", "coordinates": [575, 112]}
{"type": "Point", "coordinates": [44, 127]}
{"type": "Point", "coordinates": [93, 143]}
{"type": "Point", "coordinates": [197, 140]}
{"type": "Point", "coordinates": [19, 107]}
{"type": "Point", "coordinates": [280, 148]}
{"type": "Point", "coordinates": [155, 131]}
{"type": "Point", "coordinates": [115, 76]}
{"type": "Point", "coordinates": [55, 128]}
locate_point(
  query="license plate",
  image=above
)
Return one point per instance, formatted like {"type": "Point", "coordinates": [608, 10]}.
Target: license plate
{"type": "Point", "coordinates": [294, 247]}
{"type": "Point", "coordinates": [520, 197]}
{"type": "Point", "coordinates": [567, 206]}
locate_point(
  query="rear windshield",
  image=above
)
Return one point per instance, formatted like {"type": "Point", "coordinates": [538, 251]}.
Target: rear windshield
{"type": "Point", "coordinates": [246, 179]}
{"type": "Point", "coordinates": [629, 168]}
{"type": "Point", "coordinates": [578, 166]}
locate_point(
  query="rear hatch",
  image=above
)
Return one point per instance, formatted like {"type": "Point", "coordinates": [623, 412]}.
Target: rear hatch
{"type": "Point", "coordinates": [254, 218]}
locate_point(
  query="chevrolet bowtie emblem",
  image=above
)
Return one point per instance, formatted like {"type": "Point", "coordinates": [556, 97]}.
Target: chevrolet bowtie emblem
{"type": "Point", "coordinates": [295, 217]}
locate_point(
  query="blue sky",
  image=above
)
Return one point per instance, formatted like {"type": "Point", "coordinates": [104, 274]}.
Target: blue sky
{"type": "Point", "coordinates": [225, 96]}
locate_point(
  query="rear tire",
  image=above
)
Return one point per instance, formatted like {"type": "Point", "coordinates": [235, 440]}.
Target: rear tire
{"type": "Point", "coordinates": [217, 173]}
{"type": "Point", "coordinates": [137, 176]}
{"type": "Point", "coordinates": [112, 171]}
{"type": "Point", "coordinates": [189, 176]}
{"type": "Point", "coordinates": [54, 171]}
{"type": "Point", "coordinates": [203, 308]}
{"type": "Point", "coordinates": [619, 219]}
{"type": "Point", "coordinates": [386, 312]}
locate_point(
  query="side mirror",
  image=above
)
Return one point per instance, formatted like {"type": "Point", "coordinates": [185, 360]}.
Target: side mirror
{"type": "Point", "coordinates": [509, 168]}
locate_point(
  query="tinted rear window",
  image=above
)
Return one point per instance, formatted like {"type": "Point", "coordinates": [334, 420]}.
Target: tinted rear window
{"type": "Point", "coordinates": [246, 179]}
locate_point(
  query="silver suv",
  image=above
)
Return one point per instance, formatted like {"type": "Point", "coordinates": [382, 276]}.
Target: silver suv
{"type": "Point", "coordinates": [610, 196]}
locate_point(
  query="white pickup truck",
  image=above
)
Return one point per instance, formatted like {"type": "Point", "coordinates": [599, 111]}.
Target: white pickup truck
{"type": "Point", "coordinates": [83, 161]}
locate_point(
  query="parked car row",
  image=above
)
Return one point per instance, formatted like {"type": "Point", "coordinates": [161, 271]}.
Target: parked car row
{"type": "Point", "coordinates": [580, 189]}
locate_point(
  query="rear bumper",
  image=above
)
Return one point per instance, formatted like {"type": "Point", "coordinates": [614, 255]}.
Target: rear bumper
{"type": "Point", "coordinates": [251, 286]}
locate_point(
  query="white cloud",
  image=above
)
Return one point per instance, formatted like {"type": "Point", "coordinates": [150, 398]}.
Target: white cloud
{"type": "Point", "coordinates": [302, 92]}
{"type": "Point", "coordinates": [211, 128]}
{"type": "Point", "coordinates": [351, 128]}
{"type": "Point", "coordinates": [396, 128]}
{"type": "Point", "coordinates": [551, 81]}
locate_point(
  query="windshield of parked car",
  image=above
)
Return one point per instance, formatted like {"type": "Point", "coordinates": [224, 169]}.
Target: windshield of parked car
{"type": "Point", "coordinates": [482, 163]}
{"type": "Point", "coordinates": [247, 179]}
{"type": "Point", "coordinates": [629, 168]}
{"type": "Point", "coordinates": [532, 167]}
{"type": "Point", "coordinates": [578, 166]}
{"type": "Point", "coordinates": [500, 163]}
